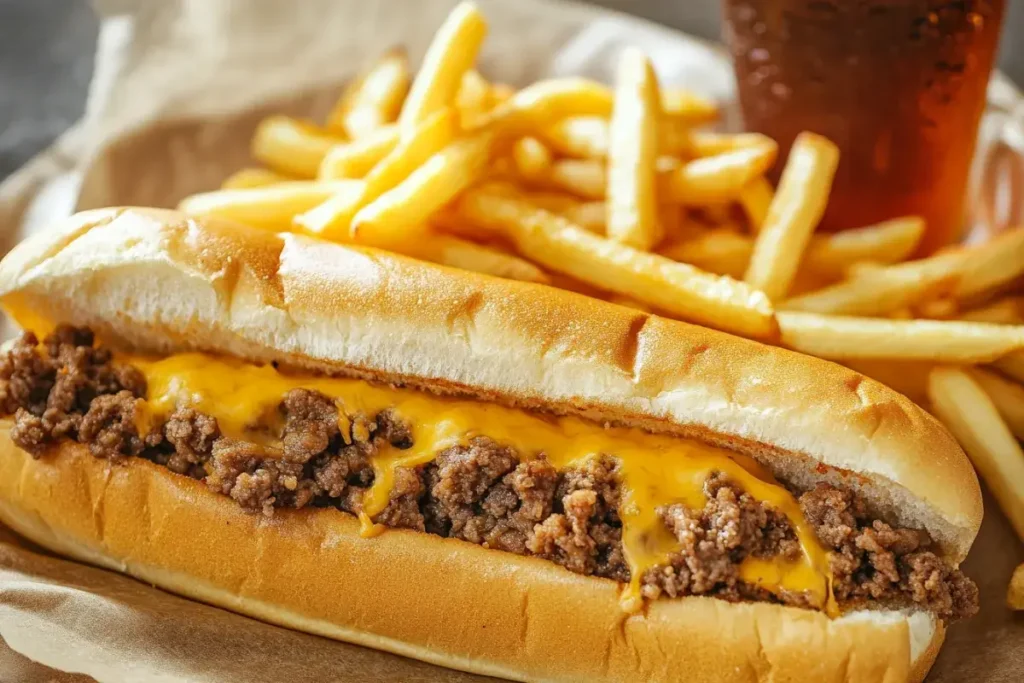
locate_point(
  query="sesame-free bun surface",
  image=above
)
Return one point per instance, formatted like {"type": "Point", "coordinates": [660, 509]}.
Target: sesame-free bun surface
{"type": "Point", "coordinates": [151, 280]}
{"type": "Point", "coordinates": [439, 600]}
{"type": "Point", "coordinates": [155, 280]}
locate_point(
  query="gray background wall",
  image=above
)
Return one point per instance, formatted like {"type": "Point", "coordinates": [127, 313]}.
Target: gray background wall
{"type": "Point", "coordinates": [701, 17]}
{"type": "Point", "coordinates": [46, 61]}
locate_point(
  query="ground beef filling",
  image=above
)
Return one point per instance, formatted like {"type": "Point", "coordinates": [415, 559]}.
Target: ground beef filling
{"type": "Point", "coordinates": [480, 492]}
{"type": "Point", "coordinates": [872, 560]}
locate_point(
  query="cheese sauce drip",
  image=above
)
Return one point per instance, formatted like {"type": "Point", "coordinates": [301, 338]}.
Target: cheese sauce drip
{"type": "Point", "coordinates": [655, 470]}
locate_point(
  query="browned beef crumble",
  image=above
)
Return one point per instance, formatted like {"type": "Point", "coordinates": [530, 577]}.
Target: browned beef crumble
{"type": "Point", "coordinates": [716, 539]}
{"type": "Point", "coordinates": [480, 492]}
{"type": "Point", "coordinates": [872, 560]}
{"type": "Point", "coordinates": [51, 395]}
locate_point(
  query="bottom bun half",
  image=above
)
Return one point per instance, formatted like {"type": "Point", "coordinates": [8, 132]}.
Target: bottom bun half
{"type": "Point", "coordinates": [442, 601]}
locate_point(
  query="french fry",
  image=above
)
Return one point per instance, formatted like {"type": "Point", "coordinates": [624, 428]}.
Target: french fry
{"type": "Point", "coordinates": [588, 177]}
{"type": "Point", "coordinates": [887, 242]}
{"type": "Point", "coordinates": [677, 288]}
{"type": "Point", "coordinates": [334, 122]}
{"type": "Point", "coordinates": [555, 202]}
{"type": "Point", "coordinates": [538, 105]}
{"type": "Point", "coordinates": [439, 130]}
{"type": "Point", "coordinates": [502, 169]}
{"type": "Point", "coordinates": [588, 137]}
{"type": "Point", "coordinates": [755, 198]}
{"type": "Point", "coordinates": [718, 250]}
{"type": "Point", "coordinates": [992, 264]}
{"type": "Point", "coordinates": [871, 269]}
{"type": "Point", "coordinates": [879, 290]}
{"type": "Point", "coordinates": [582, 177]}
{"type": "Point", "coordinates": [718, 179]}
{"type": "Point", "coordinates": [668, 165]}
{"type": "Point", "coordinates": [793, 215]}
{"type": "Point", "coordinates": [1006, 311]}
{"type": "Point", "coordinates": [673, 136]}
{"type": "Point", "coordinates": [1007, 397]}
{"type": "Point", "coordinates": [688, 106]}
{"type": "Point", "coordinates": [723, 250]}
{"type": "Point", "coordinates": [473, 99]}
{"type": "Point", "coordinates": [532, 158]}
{"type": "Point", "coordinates": [355, 159]}
{"type": "Point", "coordinates": [701, 144]}
{"type": "Point", "coordinates": [908, 377]}
{"type": "Point", "coordinates": [405, 209]}
{"type": "Point", "coordinates": [253, 177]}
{"type": "Point", "coordinates": [588, 215]}
{"type": "Point", "coordinates": [292, 147]}
{"type": "Point", "coordinates": [268, 208]}
{"type": "Point", "coordinates": [970, 415]}
{"type": "Point", "coordinates": [460, 253]}
{"type": "Point", "coordinates": [967, 272]}
{"type": "Point", "coordinates": [332, 218]}
{"type": "Point", "coordinates": [451, 54]}
{"type": "Point", "coordinates": [375, 99]}
{"type": "Point", "coordinates": [447, 222]}
{"type": "Point", "coordinates": [1015, 593]}
{"type": "Point", "coordinates": [582, 137]}
{"type": "Point", "coordinates": [941, 341]}
{"type": "Point", "coordinates": [632, 153]}
{"type": "Point", "coordinates": [501, 92]}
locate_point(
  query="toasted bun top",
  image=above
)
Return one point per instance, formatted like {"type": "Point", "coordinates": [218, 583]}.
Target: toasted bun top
{"type": "Point", "coordinates": [156, 280]}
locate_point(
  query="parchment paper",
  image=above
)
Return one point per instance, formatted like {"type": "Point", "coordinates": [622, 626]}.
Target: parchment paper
{"type": "Point", "coordinates": [178, 88]}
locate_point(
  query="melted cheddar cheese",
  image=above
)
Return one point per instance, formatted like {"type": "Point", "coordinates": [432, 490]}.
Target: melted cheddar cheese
{"type": "Point", "coordinates": [655, 470]}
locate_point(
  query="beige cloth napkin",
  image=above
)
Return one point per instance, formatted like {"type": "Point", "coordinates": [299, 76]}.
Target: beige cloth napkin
{"type": "Point", "coordinates": [178, 88]}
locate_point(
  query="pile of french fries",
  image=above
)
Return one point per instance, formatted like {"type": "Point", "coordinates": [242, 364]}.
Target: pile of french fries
{"type": "Point", "coordinates": [621, 193]}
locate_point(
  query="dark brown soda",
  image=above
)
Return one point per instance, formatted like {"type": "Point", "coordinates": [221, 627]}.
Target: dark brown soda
{"type": "Point", "coordinates": [899, 85]}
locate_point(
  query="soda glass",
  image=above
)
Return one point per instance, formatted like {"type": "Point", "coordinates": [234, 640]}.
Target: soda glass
{"type": "Point", "coordinates": [899, 85]}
